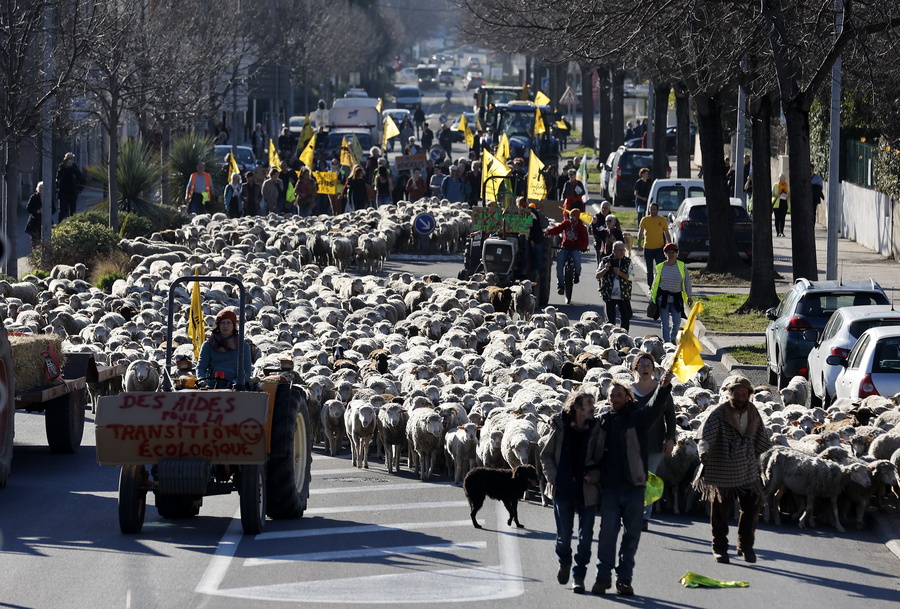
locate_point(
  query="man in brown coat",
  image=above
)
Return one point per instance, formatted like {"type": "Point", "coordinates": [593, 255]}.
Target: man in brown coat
{"type": "Point", "coordinates": [732, 438]}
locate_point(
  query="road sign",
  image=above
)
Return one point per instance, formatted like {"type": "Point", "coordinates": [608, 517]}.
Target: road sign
{"type": "Point", "coordinates": [569, 98]}
{"type": "Point", "coordinates": [435, 152]}
{"type": "Point", "coordinates": [424, 224]}
{"type": "Point", "coordinates": [442, 118]}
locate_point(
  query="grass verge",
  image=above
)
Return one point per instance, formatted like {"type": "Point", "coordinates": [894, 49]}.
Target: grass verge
{"type": "Point", "coordinates": [751, 355]}
{"type": "Point", "coordinates": [719, 314]}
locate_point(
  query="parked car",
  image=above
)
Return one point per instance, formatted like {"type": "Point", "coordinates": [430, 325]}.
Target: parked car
{"type": "Point", "coordinates": [445, 77]}
{"type": "Point", "coordinates": [671, 140]}
{"type": "Point", "coordinates": [244, 156]}
{"type": "Point", "coordinates": [624, 173]}
{"type": "Point", "coordinates": [474, 80]}
{"type": "Point", "coordinates": [689, 228]}
{"type": "Point", "coordinates": [872, 367]}
{"type": "Point", "coordinates": [808, 305]}
{"type": "Point", "coordinates": [840, 334]}
{"type": "Point", "coordinates": [473, 64]}
{"type": "Point", "coordinates": [605, 170]}
{"type": "Point", "coordinates": [668, 193]}
{"type": "Point", "coordinates": [409, 97]}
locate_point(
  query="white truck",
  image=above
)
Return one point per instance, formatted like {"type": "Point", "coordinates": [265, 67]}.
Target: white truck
{"type": "Point", "coordinates": [357, 116]}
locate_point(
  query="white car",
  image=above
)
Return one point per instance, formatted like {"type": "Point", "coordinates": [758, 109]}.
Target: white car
{"type": "Point", "coordinates": [873, 366]}
{"type": "Point", "coordinates": [669, 193]}
{"type": "Point", "coordinates": [844, 327]}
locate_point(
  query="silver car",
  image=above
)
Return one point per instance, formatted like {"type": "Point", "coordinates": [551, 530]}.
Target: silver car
{"type": "Point", "coordinates": [840, 334]}
{"type": "Point", "coordinates": [873, 366]}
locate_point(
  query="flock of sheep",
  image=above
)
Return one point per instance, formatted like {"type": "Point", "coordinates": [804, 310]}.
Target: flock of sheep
{"type": "Point", "coordinates": [453, 373]}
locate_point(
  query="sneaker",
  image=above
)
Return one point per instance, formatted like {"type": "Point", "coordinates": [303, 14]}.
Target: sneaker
{"type": "Point", "coordinates": [575, 280]}
{"type": "Point", "coordinates": [646, 526]}
{"type": "Point", "coordinates": [623, 587]}
{"type": "Point", "coordinates": [578, 586]}
{"type": "Point", "coordinates": [560, 290]}
{"type": "Point", "coordinates": [721, 558]}
{"type": "Point", "coordinates": [562, 576]}
{"type": "Point", "coordinates": [601, 586]}
{"type": "Point", "coordinates": [749, 555]}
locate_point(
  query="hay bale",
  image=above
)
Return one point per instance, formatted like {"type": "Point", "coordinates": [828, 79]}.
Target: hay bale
{"type": "Point", "coordinates": [29, 366]}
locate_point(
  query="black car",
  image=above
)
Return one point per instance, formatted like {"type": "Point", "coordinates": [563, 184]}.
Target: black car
{"type": "Point", "coordinates": [624, 171]}
{"type": "Point", "coordinates": [689, 228]}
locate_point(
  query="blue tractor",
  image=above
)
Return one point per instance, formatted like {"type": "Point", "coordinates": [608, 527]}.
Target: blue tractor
{"type": "Point", "coordinates": [516, 119]}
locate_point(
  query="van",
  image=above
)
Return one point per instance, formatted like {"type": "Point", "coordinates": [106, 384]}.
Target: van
{"type": "Point", "coordinates": [668, 193]}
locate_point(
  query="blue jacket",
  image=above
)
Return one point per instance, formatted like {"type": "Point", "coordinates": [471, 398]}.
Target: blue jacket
{"type": "Point", "coordinates": [452, 189]}
{"type": "Point", "coordinates": [211, 361]}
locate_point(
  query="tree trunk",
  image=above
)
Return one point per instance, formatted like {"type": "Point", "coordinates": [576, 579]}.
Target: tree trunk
{"type": "Point", "coordinates": [113, 162]}
{"type": "Point", "coordinates": [587, 106]}
{"type": "Point", "coordinates": [618, 108]}
{"type": "Point", "coordinates": [660, 112]}
{"type": "Point", "coordinates": [13, 196]}
{"type": "Point", "coordinates": [683, 148]}
{"type": "Point", "coordinates": [803, 234]}
{"type": "Point", "coordinates": [165, 145]}
{"type": "Point", "coordinates": [723, 254]}
{"type": "Point", "coordinates": [605, 143]}
{"type": "Point", "coordinates": [762, 275]}
{"type": "Point", "coordinates": [529, 60]}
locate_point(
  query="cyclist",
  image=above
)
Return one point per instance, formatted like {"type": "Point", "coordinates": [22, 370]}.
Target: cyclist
{"type": "Point", "coordinates": [574, 239]}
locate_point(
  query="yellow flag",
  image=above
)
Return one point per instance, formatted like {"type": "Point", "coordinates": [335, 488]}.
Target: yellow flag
{"type": "Point", "coordinates": [540, 99]}
{"type": "Point", "coordinates": [539, 123]}
{"type": "Point", "coordinates": [347, 158]}
{"type": "Point", "coordinates": [378, 106]}
{"type": "Point", "coordinates": [464, 127]}
{"type": "Point", "coordinates": [306, 132]}
{"type": "Point", "coordinates": [561, 125]}
{"type": "Point", "coordinates": [232, 166]}
{"type": "Point", "coordinates": [687, 356]}
{"type": "Point", "coordinates": [308, 154]}
{"type": "Point", "coordinates": [537, 185]}
{"type": "Point", "coordinates": [503, 149]}
{"type": "Point", "coordinates": [491, 167]}
{"type": "Point", "coordinates": [355, 147]}
{"type": "Point", "coordinates": [196, 323]}
{"type": "Point", "coordinates": [390, 129]}
{"type": "Point", "coordinates": [274, 159]}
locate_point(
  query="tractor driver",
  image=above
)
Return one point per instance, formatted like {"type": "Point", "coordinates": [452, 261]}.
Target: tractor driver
{"type": "Point", "coordinates": [219, 356]}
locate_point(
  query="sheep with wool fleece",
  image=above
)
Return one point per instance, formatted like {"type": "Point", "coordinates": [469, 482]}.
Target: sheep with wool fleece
{"type": "Point", "coordinates": [884, 445]}
{"type": "Point", "coordinates": [332, 416]}
{"type": "Point", "coordinates": [424, 434]}
{"type": "Point", "coordinates": [360, 424]}
{"type": "Point", "coordinates": [460, 445]}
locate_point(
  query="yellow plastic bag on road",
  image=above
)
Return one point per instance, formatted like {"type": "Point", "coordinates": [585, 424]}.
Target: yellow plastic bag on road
{"type": "Point", "coordinates": [694, 580]}
{"type": "Point", "coordinates": [654, 489]}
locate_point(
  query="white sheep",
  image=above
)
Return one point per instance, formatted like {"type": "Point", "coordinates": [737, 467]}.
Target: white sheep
{"type": "Point", "coordinates": [359, 423]}
{"type": "Point", "coordinates": [332, 415]}
{"type": "Point", "coordinates": [423, 436]}
{"type": "Point", "coordinates": [392, 421]}
{"type": "Point", "coordinates": [141, 375]}
{"type": "Point", "coordinates": [884, 445]}
{"type": "Point", "coordinates": [520, 437]}
{"type": "Point", "coordinates": [459, 446]}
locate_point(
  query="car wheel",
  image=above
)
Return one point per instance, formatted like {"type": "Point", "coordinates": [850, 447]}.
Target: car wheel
{"type": "Point", "coordinates": [814, 400]}
{"type": "Point", "coordinates": [773, 378]}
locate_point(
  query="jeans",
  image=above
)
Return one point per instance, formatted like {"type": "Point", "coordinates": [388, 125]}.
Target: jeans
{"type": "Point", "coordinates": [383, 198]}
{"type": "Point", "coordinates": [564, 512]}
{"type": "Point", "coordinates": [670, 320]}
{"type": "Point", "coordinates": [624, 307]}
{"type": "Point", "coordinates": [719, 513]}
{"type": "Point", "coordinates": [564, 254]}
{"type": "Point", "coordinates": [653, 461]}
{"type": "Point", "coordinates": [619, 509]}
{"type": "Point", "coordinates": [652, 257]}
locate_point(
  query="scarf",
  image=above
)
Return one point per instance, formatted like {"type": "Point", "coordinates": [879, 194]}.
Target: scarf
{"type": "Point", "coordinates": [221, 344]}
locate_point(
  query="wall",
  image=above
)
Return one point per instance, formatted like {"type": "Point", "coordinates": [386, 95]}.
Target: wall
{"type": "Point", "coordinates": [867, 217]}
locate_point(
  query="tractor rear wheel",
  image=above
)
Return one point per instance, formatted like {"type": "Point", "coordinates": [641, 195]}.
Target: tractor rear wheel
{"type": "Point", "coordinates": [290, 462]}
{"type": "Point", "coordinates": [253, 499]}
{"type": "Point", "coordinates": [7, 407]}
{"type": "Point", "coordinates": [132, 498]}
{"type": "Point", "coordinates": [64, 421]}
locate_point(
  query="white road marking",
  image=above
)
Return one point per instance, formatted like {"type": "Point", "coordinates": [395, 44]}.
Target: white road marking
{"type": "Point", "coordinates": [103, 494]}
{"type": "Point", "coordinates": [346, 509]}
{"type": "Point", "coordinates": [367, 553]}
{"type": "Point", "coordinates": [366, 528]}
{"type": "Point", "coordinates": [372, 488]}
{"type": "Point", "coordinates": [221, 560]}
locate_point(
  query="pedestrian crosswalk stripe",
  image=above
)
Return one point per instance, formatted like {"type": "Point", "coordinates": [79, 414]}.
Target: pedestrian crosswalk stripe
{"type": "Point", "coordinates": [372, 488]}
{"type": "Point", "coordinates": [344, 509]}
{"type": "Point", "coordinates": [365, 553]}
{"type": "Point", "coordinates": [366, 528]}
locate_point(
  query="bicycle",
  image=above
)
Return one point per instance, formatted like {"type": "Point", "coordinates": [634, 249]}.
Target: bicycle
{"type": "Point", "coordinates": [569, 275]}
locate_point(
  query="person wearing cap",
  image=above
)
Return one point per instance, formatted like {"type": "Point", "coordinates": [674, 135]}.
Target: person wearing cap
{"type": "Point", "coordinates": [574, 239]}
{"type": "Point", "coordinates": [320, 117]}
{"type": "Point", "coordinates": [219, 355]}
{"type": "Point", "coordinates": [452, 187]}
{"type": "Point", "coordinates": [671, 289]}
{"type": "Point", "coordinates": [69, 184]}
{"type": "Point", "coordinates": [732, 438]}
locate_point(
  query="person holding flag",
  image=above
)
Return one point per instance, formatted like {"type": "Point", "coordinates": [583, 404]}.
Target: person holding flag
{"type": "Point", "coordinates": [219, 355]}
{"type": "Point", "coordinates": [671, 289]}
{"type": "Point", "coordinates": [274, 158]}
{"type": "Point", "coordinates": [391, 131]}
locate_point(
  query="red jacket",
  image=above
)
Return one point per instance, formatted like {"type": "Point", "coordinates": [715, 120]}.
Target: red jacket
{"type": "Point", "coordinates": [574, 237]}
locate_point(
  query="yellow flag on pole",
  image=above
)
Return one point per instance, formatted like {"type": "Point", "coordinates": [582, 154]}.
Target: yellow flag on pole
{"type": "Point", "coordinates": [687, 356]}
{"type": "Point", "coordinates": [347, 158]}
{"type": "Point", "coordinates": [464, 127]}
{"type": "Point", "coordinates": [502, 154]}
{"type": "Point", "coordinates": [274, 159]}
{"type": "Point", "coordinates": [539, 127]}
{"type": "Point", "coordinates": [232, 166]}
{"type": "Point", "coordinates": [491, 167]}
{"type": "Point", "coordinates": [308, 154]}
{"type": "Point", "coordinates": [537, 185]}
{"type": "Point", "coordinates": [390, 129]}
{"type": "Point", "coordinates": [306, 132]}
{"type": "Point", "coordinates": [355, 147]}
{"type": "Point", "coordinates": [196, 323]}
{"type": "Point", "coordinates": [540, 99]}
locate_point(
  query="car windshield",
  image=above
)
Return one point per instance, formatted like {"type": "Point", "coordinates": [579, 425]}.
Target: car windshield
{"type": "Point", "coordinates": [887, 355]}
{"type": "Point", "coordinates": [639, 159]}
{"type": "Point", "coordinates": [408, 92]}
{"type": "Point", "coordinates": [698, 213]}
{"type": "Point", "coordinates": [243, 155]}
{"type": "Point", "coordinates": [517, 123]}
{"type": "Point", "coordinates": [858, 327]}
{"type": "Point", "coordinates": [822, 304]}
{"type": "Point", "coordinates": [670, 197]}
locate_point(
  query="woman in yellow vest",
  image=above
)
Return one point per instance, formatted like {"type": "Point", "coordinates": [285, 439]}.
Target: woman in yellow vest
{"type": "Point", "coordinates": [671, 288]}
{"type": "Point", "coordinates": [781, 204]}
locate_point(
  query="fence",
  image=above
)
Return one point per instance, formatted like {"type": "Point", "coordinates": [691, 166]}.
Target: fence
{"type": "Point", "coordinates": [858, 162]}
